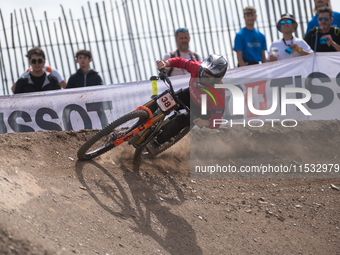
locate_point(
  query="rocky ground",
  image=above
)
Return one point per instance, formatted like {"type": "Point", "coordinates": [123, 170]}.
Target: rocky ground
{"type": "Point", "coordinates": [50, 203]}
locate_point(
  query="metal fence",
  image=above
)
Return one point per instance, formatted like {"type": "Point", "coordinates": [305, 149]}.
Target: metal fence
{"type": "Point", "coordinates": [127, 36]}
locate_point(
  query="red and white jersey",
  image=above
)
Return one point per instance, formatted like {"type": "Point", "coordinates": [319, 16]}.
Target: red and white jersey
{"type": "Point", "coordinates": [217, 104]}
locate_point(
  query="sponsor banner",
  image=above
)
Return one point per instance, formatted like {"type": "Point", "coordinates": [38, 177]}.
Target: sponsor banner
{"type": "Point", "coordinates": [74, 109]}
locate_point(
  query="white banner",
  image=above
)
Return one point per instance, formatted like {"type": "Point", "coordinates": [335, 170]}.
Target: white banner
{"type": "Point", "coordinates": [74, 109]}
{"type": "Point", "coordinates": [95, 107]}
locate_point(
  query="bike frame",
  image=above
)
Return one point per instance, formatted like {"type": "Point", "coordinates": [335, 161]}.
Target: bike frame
{"type": "Point", "coordinates": [141, 129]}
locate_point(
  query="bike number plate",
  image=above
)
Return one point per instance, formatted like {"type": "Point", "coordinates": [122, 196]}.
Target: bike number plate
{"type": "Point", "coordinates": [166, 102]}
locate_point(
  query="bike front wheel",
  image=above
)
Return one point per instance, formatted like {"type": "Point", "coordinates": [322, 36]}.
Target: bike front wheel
{"type": "Point", "coordinates": [103, 141]}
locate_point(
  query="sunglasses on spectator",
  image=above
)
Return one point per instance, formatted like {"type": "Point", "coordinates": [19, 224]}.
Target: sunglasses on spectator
{"type": "Point", "coordinates": [39, 60]}
{"type": "Point", "coordinates": [289, 22]}
{"type": "Point", "coordinates": [182, 29]}
{"type": "Point", "coordinates": [325, 19]}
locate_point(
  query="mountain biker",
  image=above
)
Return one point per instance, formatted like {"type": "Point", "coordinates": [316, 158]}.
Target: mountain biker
{"type": "Point", "coordinates": [203, 77]}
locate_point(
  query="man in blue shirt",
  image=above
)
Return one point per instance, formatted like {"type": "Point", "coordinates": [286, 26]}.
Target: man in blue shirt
{"type": "Point", "coordinates": [314, 21]}
{"type": "Point", "coordinates": [250, 45]}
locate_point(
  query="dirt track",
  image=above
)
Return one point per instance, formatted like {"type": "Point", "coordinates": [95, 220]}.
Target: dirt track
{"type": "Point", "coordinates": [50, 203]}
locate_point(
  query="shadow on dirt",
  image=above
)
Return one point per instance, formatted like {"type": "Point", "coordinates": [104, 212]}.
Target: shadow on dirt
{"type": "Point", "coordinates": [145, 205]}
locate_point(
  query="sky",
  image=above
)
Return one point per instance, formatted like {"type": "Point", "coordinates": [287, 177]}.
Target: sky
{"type": "Point", "coordinates": [52, 8]}
{"type": "Point", "coordinates": [54, 11]}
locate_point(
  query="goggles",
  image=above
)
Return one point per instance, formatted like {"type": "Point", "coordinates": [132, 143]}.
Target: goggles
{"type": "Point", "coordinates": [39, 60]}
{"type": "Point", "coordinates": [323, 18]}
{"type": "Point", "coordinates": [289, 22]}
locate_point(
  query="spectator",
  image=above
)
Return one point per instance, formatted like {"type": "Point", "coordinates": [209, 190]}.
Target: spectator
{"type": "Point", "coordinates": [48, 69]}
{"type": "Point", "coordinates": [84, 76]}
{"type": "Point", "coordinates": [250, 44]}
{"type": "Point", "coordinates": [314, 21]}
{"type": "Point", "coordinates": [182, 40]}
{"type": "Point", "coordinates": [317, 36]}
{"type": "Point", "coordinates": [36, 79]}
{"type": "Point", "coordinates": [289, 46]}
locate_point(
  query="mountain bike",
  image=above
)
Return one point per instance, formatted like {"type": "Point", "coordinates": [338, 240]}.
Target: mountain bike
{"type": "Point", "coordinates": [139, 127]}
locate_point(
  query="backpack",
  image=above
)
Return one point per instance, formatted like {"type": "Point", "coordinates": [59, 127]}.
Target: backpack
{"type": "Point", "coordinates": [336, 30]}
{"type": "Point", "coordinates": [172, 55]}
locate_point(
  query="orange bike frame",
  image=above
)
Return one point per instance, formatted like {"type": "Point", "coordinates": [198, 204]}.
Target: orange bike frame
{"type": "Point", "coordinates": [138, 129]}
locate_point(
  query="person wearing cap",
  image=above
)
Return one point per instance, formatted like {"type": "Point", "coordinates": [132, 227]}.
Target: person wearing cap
{"type": "Point", "coordinates": [314, 21]}
{"type": "Point", "coordinates": [250, 44]}
{"type": "Point", "coordinates": [84, 76]}
{"type": "Point", "coordinates": [182, 41]}
{"type": "Point", "coordinates": [324, 38]}
{"type": "Point", "coordinates": [289, 46]}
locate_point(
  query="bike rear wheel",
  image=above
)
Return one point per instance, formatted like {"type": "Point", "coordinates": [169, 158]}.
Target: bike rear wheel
{"type": "Point", "coordinates": [103, 141]}
{"type": "Point", "coordinates": [147, 155]}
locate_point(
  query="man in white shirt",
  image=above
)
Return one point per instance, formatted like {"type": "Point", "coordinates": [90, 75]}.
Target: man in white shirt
{"type": "Point", "coordinates": [182, 40]}
{"type": "Point", "coordinates": [289, 46]}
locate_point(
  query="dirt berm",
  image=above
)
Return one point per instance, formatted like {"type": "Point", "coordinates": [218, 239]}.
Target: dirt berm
{"type": "Point", "coordinates": [50, 203]}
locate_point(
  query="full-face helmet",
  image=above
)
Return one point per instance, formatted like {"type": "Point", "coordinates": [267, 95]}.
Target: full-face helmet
{"type": "Point", "coordinates": [214, 65]}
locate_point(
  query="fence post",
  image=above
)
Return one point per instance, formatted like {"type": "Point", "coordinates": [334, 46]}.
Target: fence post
{"type": "Point", "coordinates": [49, 35]}
{"type": "Point", "coordinates": [7, 47]}
{"type": "Point", "coordinates": [13, 46]}
{"type": "Point", "coordinates": [104, 45]}
{"type": "Point", "coordinates": [22, 54]}
{"type": "Point", "coordinates": [74, 30]}
{"type": "Point", "coordinates": [65, 48]}
{"type": "Point", "coordinates": [29, 27]}
{"type": "Point", "coordinates": [58, 45]}
{"type": "Point", "coordinates": [3, 74]}
{"type": "Point", "coordinates": [97, 44]}
{"type": "Point", "coordinates": [69, 36]}
{"type": "Point", "coordinates": [132, 43]}
{"type": "Point", "coordinates": [110, 38]}
{"type": "Point", "coordinates": [139, 41]}
{"type": "Point", "coordinates": [154, 24]}
{"type": "Point", "coordinates": [88, 36]}
{"type": "Point", "coordinates": [121, 29]}
{"type": "Point", "coordinates": [143, 28]}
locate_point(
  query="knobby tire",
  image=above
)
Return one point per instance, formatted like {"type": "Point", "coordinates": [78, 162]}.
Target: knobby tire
{"type": "Point", "coordinates": [85, 154]}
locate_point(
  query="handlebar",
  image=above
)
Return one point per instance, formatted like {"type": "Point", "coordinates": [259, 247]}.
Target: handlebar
{"type": "Point", "coordinates": [165, 78]}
